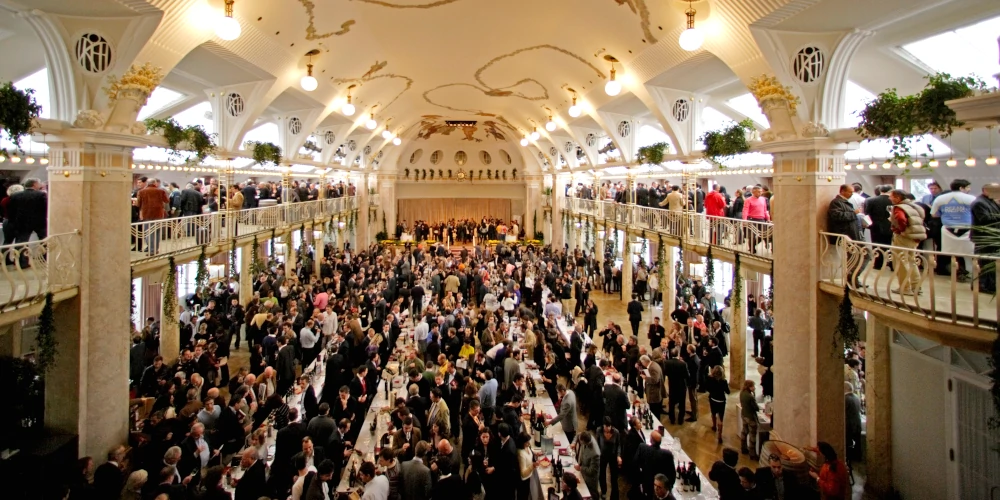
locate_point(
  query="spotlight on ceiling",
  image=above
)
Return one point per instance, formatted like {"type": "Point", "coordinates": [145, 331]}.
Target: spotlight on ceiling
{"type": "Point", "coordinates": [348, 108]}
{"type": "Point", "coordinates": [613, 87]}
{"type": "Point", "coordinates": [691, 39]}
{"type": "Point", "coordinates": [309, 82]}
{"type": "Point", "coordinates": [228, 28]}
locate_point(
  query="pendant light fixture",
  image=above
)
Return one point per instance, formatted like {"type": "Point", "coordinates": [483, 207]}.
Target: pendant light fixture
{"type": "Point", "coordinates": [691, 39]}
{"type": "Point", "coordinates": [971, 160]}
{"type": "Point", "coordinates": [613, 87]}
{"type": "Point", "coordinates": [524, 141]}
{"type": "Point", "coordinates": [534, 134]}
{"type": "Point", "coordinates": [396, 141]}
{"type": "Point", "coordinates": [991, 160]}
{"type": "Point", "coordinates": [228, 28]}
{"type": "Point", "coordinates": [574, 110]}
{"type": "Point", "coordinates": [309, 82]}
{"type": "Point", "coordinates": [348, 108]}
{"type": "Point", "coordinates": [371, 124]}
{"type": "Point", "coordinates": [551, 125]}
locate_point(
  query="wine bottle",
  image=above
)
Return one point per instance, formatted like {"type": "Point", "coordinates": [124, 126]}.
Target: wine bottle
{"type": "Point", "coordinates": [352, 478]}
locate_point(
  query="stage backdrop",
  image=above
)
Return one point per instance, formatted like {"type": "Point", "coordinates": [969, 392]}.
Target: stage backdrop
{"type": "Point", "coordinates": [442, 210]}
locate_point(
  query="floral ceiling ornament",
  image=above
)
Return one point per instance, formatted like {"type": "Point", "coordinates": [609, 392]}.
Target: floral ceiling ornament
{"type": "Point", "coordinates": [765, 87]}
{"type": "Point", "coordinates": [142, 79]}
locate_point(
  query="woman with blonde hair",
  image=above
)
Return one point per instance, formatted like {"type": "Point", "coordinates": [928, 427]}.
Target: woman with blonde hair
{"type": "Point", "coordinates": [133, 485]}
{"type": "Point", "coordinates": [718, 388]}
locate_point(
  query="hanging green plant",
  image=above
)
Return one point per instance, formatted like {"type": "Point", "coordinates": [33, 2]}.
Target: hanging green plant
{"type": "Point", "coordinates": [709, 268]}
{"type": "Point", "coordinates": [994, 360]}
{"type": "Point", "coordinates": [18, 112]}
{"type": "Point", "coordinates": [546, 191]}
{"type": "Point", "coordinates": [264, 153]}
{"type": "Point", "coordinates": [201, 275]}
{"type": "Point", "coordinates": [722, 145]}
{"type": "Point", "coordinates": [661, 260]}
{"type": "Point", "coordinates": [234, 272]}
{"type": "Point", "coordinates": [903, 119]}
{"type": "Point", "coordinates": [45, 353]}
{"type": "Point", "coordinates": [256, 266]}
{"type": "Point", "coordinates": [737, 298]}
{"type": "Point", "coordinates": [652, 154]}
{"type": "Point", "coordinates": [170, 293]}
{"type": "Point", "coordinates": [614, 252]}
{"type": "Point", "coordinates": [642, 250]}
{"type": "Point", "coordinates": [192, 138]}
{"type": "Point", "coordinates": [131, 304]}
{"type": "Point", "coordinates": [847, 328]}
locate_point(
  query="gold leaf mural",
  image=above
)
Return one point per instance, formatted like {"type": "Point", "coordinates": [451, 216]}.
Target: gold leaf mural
{"type": "Point", "coordinates": [311, 34]}
{"type": "Point", "coordinates": [431, 125]}
{"type": "Point", "coordinates": [370, 76]}
{"type": "Point", "coordinates": [507, 91]}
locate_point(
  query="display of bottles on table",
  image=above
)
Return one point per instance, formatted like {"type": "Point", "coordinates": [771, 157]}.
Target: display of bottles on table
{"type": "Point", "coordinates": [532, 389]}
{"type": "Point", "coordinates": [537, 427]}
{"type": "Point", "coordinates": [688, 478]}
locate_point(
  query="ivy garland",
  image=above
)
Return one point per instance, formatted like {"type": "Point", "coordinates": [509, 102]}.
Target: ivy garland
{"type": "Point", "coordinates": [994, 360]}
{"type": "Point", "coordinates": [709, 269]}
{"type": "Point", "coordinates": [274, 236]}
{"type": "Point", "coordinates": [614, 251]}
{"type": "Point", "coordinates": [645, 245]}
{"type": "Point", "coordinates": [131, 304]}
{"type": "Point", "coordinates": [234, 273]}
{"type": "Point", "coordinates": [737, 299]}
{"type": "Point", "coordinates": [45, 354]}
{"type": "Point", "coordinates": [661, 261]}
{"type": "Point", "coordinates": [846, 327]}
{"type": "Point", "coordinates": [256, 266]}
{"type": "Point", "coordinates": [170, 295]}
{"type": "Point", "coordinates": [201, 275]}
{"type": "Point", "coordinates": [770, 289]}
{"type": "Point", "coordinates": [586, 234]}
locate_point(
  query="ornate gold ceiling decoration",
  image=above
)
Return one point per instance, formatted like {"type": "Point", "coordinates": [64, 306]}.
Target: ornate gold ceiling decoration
{"type": "Point", "coordinates": [311, 34]}
{"type": "Point", "coordinates": [370, 76]}
{"type": "Point", "coordinates": [639, 7]}
{"type": "Point", "coordinates": [393, 5]}
{"type": "Point", "coordinates": [431, 125]}
{"type": "Point", "coordinates": [506, 91]}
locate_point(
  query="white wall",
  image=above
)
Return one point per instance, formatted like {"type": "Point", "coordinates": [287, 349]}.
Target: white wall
{"type": "Point", "coordinates": [920, 419]}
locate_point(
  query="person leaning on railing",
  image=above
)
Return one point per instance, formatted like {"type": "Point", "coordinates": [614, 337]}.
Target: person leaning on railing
{"type": "Point", "coordinates": [842, 218]}
{"type": "Point", "coordinates": [907, 223]}
{"type": "Point", "coordinates": [986, 218]}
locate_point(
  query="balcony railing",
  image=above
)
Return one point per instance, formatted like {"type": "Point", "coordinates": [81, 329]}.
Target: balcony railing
{"type": "Point", "coordinates": [875, 272]}
{"type": "Point", "coordinates": [30, 270]}
{"type": "Point", "coordinates": [152, 239]}
{"type": "Point", "coordinates": [732, 234]}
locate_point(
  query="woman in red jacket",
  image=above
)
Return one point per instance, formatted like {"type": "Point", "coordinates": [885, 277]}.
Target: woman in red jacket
{"type": "Point", "coordinates": [832, 478]}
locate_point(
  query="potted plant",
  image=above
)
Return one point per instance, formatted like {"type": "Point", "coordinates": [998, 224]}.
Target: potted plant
{"type": "Point", "coordinates": [652, 154]}
{"type": "Point", "coordinates": [128, 94]}
{"type": "Point", "coordinates": [264, 152]}
{"type": "Point", "coordinates": [904, 119]}
{"type": "Point", "coordinates": [18, 111]}
{"type": "Point", "coordinates": [192, 138]}
{"type": "Point", "coordinates": [721, 145]}
{"type": "Point", "coordinates": [777, 102]}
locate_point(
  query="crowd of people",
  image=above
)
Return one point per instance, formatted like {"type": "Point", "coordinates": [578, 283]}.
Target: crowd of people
{"type": "Point", "coordinates": [461, 231]}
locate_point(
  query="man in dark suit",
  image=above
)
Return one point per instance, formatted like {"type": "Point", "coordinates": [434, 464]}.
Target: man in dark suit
{"type": "Point", "coordinates": [321, 428]}
{"type": "Point", "coordinates": [109, 477]}
{"type": "Point", "coordinates": [652, 460]}
{"type": "Point", "coordinates": [167, 485]}
{"type": "Point", "coordinates": [449, 484]}
{"type": "Point", "coordinates": [286, 365]}
{"type": "Point", "coordinates": [415, 477]}
{"type": "Point", "coordinates": [774, 475]}
{"type": "Point", "coordinates": [470, 428]}
{"type": "Point", "coordinates": [842, 218]}
{"type": "Point", "coordinates": [877, 208]}
{"type": "Point", "coordinates": [28, 212]}
{"type": "Point", "coordinates": [506, 470]}
{"type": "Point", "coordinates": [287, 443]}
{"type": "Point", "coordinates": [634, 310]}
{"type": "Point", "coordinates": [249, 196]}
{"type": "Point", "coordinates": [253, 483]}
{"type": "Point", "coordinates": [336, 374]}
{"type": "Point", "coordinates": [616, 402]}
{"type": "Point", "coordinates": [676, 372]}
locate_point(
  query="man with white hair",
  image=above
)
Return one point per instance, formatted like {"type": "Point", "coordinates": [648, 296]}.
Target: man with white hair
{"type": "Point", "coordinates": [195, 452]}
